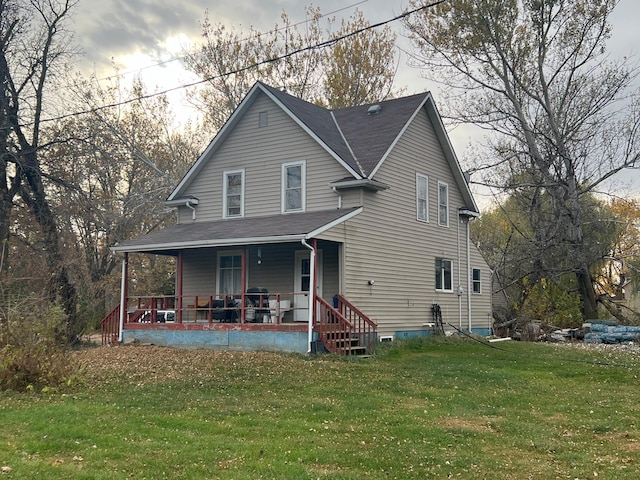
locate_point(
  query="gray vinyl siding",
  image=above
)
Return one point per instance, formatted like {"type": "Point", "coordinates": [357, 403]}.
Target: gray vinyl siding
{"type": "Point", "coordinates": [275, 272]}
{"type": "Point", "coordinates": [261, 151]}
{"type": "Point", "coordinates": [387, 244]}
{"type": "Point", "coordinates": [199, 271]}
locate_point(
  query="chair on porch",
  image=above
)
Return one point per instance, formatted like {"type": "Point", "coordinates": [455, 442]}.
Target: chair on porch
{"type": "Point", "coordinates": [225, 311]}
{"type": "Point", "coordinates": [258, 298]}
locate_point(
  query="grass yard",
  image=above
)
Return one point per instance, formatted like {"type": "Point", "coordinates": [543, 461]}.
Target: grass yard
{"type": "Point", "coordinates": [424, 409]}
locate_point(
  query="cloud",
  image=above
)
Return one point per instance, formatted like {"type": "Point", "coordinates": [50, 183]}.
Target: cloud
{"type": "Point", "coordinates": [112, 29]}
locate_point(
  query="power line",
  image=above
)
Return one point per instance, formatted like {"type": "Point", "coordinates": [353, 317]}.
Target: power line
{"type": "Point", "coordinates": [175, 59]}
{"type": "Point", "coordinates": [320, 45]}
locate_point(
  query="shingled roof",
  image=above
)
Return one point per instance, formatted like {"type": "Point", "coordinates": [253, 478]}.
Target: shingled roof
{"type": "Point", "coordinates": [360, 137]}
{"type": "Point", "coordinates": [268, 229]}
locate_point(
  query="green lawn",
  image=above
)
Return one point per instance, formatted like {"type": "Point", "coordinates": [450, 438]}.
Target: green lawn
{"type": "Point", "coordinates": [432, 409]}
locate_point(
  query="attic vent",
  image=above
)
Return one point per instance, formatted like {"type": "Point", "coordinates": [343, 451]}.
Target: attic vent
{"type": "Point", "coordinates": [374, 109]}
{"type": "Point", "coordinates": [263, 119]}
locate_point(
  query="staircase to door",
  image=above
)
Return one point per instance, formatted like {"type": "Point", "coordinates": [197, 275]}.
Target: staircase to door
{"type": "Point", "coordinates": [344, 329]}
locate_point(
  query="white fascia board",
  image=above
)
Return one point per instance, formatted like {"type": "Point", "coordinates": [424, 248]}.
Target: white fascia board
{"type": "Point", "coordinates": [465, 212]}
{"type": "Point", "coordinates": [181, 201]}
{"type": "Point", "coordinates": [229, 242]}
{"type": "Point", "coordinates": [330, 225]}
{"type": "Point", "coordinates": [399, 136]}
{"type": "Point", "coordinates": [221, 135]}
{"type": "Point", "coordinates": [449, 152]}
{"type": "Point", "coordinates": [367, 183]}
{"type": "Point", "coordinates": [335, 122]}
{"type": "Point", "coordinates": [312, 134]}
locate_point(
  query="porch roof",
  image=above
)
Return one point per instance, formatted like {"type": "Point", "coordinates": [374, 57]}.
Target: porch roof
{"type": "Point", "coordinates": [238, 231]}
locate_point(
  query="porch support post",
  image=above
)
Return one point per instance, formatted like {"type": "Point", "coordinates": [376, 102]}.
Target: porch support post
{"type": "Point", "coordinates": [124, 290]}
{"type": "Point", "coordinates": [179, 284]}
{"type": "Point", "coordinates": [312, 290]}
{"type": "Point", "coordinates": [469, 274]}
{"type": "Point", "coordinates": [243, 286]}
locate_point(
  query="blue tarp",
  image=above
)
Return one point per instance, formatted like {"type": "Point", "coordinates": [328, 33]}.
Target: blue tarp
{"type": "Point", "coordinates": [600, 333]}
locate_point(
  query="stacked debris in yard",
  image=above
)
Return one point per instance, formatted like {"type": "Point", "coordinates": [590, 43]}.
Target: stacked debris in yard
{"type": "Point", "coordinates": [610, 333]}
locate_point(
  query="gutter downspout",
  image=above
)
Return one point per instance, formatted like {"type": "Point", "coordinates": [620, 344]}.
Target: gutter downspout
{"type": "Point", "coordinates": [459, 277]}
{"type": "Point", "coordinates": [468, 216]}
{"type": "Point", "coordinates": [335, 190]}
{"type": "Point", "coordinates": [312, 290]}
{"type": "Point", "coordinates": [193, 209]}
{"type": "Point", "coordinates": [123, 294]}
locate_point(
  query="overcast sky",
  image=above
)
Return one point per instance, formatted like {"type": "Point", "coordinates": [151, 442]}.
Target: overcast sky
{"type": "Point", "coordinates": [137, 34]}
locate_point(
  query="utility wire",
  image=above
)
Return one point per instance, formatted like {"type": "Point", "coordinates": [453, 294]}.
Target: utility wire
{"type": "Point", "coordinates": [175, 59]}
{"type": "Point", "coordinates": [320, 45]}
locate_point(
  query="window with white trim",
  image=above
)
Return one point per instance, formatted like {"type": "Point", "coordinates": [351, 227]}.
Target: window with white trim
{"type": "Point", "coordinates": [444, 277]}
{"type": "Point", "coordinates": [475, 278]}
{"type": "Point", "coordinates": [422, 197]}
{"type": "Point", "coordinates": [233, 194]}
{"type": "Point", "coordinates": [230, 273]}
{"type": "Point", "coordinates": [293, 187]}
{"type": "Point", "coordinates": [443, 204]}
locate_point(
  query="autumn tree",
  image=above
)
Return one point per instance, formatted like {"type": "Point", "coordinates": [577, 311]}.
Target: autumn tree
{"type": "Point", "coordinates": [560, 122]}
{"type": "Point", "coordinates": [531, 278]}
{"type": "Point", "coordinates": [359, 69]}
{"type": "Point", "coordinates": [305, 61]}
{"type": "Point", "coordinates": [618, 277]}
{"type": "Point", "coordinates": [127, 159]}
{"type": "Point", "coordinates": [33, 45]}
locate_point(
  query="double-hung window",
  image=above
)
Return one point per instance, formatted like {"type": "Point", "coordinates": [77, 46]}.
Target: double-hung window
{"type": "Point", "coordinates": [443, 204]}
{"type": "Point", "coordinates": [475, 277]}
{"type": "Point", "coordinates": [444, 278]}
{"type": "Point", "coordinates": [230, 273]}
{"type": "Point", "coordinates": [233, 194]}
{"type": "Point", "coordinates": [422, 197]}
{"type": "Point", "coordinates": [293, 187]}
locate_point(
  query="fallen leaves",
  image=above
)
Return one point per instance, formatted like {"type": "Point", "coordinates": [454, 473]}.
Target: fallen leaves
{"type": "Point", "coordinates": [143, 365]}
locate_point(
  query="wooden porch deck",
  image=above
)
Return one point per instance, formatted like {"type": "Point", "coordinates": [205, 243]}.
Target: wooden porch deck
{"type": "Point", "coordinates": [343, 329]}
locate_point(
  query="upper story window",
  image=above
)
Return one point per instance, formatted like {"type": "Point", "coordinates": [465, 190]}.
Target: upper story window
{"type": "Point", "coordinates": [444, 277]}
{"type": "Point", "coordinates": [443, 204]}
{"type": "Point", "coordinates": [233, 193]}
{"type": "Point", "coordinates": [476, 281]}
{"type": "Point", "coordinates": [293, 187]}
{"type": "Point", "coordinates": [422, 197]}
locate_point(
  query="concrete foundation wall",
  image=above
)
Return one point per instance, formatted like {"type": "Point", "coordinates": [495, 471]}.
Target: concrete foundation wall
{"type": "Point", "coordinates": [291, 342]}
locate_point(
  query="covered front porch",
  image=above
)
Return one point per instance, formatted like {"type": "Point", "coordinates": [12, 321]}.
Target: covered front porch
{"type": "Point", "coordinates": [243, 293]}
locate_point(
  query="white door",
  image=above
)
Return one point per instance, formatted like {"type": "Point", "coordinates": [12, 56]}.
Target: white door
{"type": "Point", "coordinates": [302, 281]}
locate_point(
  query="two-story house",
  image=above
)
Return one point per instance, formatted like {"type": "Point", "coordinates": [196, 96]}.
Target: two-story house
{"type": "Point", "coordinates": [301, 228]}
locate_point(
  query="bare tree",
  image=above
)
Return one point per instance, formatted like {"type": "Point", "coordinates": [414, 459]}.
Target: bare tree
{"type": "Point", "coordinates": [127, 159]}
{"type": "Point", "coordinates": [305, 61]}
{"type": "Point", "coordinates": [535, 75]}
{"type": "Point", "coordinates": [33, 45]}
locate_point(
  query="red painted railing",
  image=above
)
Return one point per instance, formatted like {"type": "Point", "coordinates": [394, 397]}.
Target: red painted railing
{"type": "Point", "coordinates": [344, 330]}
{"type": "Point", "coordinates": [249, 307]}
{"type": "Point", "coordinates": [110, 327]}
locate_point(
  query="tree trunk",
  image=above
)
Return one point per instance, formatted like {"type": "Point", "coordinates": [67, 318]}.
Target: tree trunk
{"type": "Point", "coordinates": [587, 294]}
{"type": "Point", "coordinates": [61, 291]}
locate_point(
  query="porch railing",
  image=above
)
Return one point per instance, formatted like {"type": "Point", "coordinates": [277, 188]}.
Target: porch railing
{"type": "Point", "coordinates": [110, 327]}
{"type": "Point", "coordinates": [248, 307]}
{"type": "Point", "coordinates": [344, 329]}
